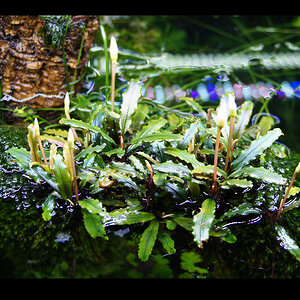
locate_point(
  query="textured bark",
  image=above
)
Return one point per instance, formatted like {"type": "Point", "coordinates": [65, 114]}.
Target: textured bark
{"type": "Point", "coordinates": [30, 69]}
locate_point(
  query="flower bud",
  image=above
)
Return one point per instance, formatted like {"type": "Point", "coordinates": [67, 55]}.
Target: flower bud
{"type": "Point", "coordinates": [113, 49]}
{"type": "Point", "coordinates": [36, 127]}
{"type": "Point", "coordinates": [298, 168]}
{"type": "Point", "coordinates": [222, 116]}
{"type": "Point", "coordinates": [71, 138]}
{"type": "Point", "coordinates": [231, 105]}
{"type": "Point", "coordinates": [67, 102]}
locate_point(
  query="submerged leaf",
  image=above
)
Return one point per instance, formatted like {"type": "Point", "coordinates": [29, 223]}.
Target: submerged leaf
{"type": "Point", "coordinates": [147, 240]}
{"type": "Point", "coordinates": [48, 207]}
{"type": "Point", "coordinates": [203, 221]}
{"type": "Point", "coordinates": [93, 224]}
{"type": "Point", "coordinates": [287, 242]}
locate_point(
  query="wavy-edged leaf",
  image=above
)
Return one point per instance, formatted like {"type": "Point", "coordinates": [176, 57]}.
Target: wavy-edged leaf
{"type": "Point", "coordinates": [93, 224]}
{"type": "Point", "coordinates": [62, 177]}
{"type": "Point", "coordinates": [48, 206]}
{"type": "Point", "coordinates": [209, 169]}
{"type": "Point", "coordinates": [123, 168]}
{"type": "Point", "coordinates": [82, 125]}
{"type": "Point", "coordinates": [242, 119]}
{"type": "Point", "coordinates": [256, 148]}
{"type": "Point", "coordinates": [203, 221]}
{"type": "Point", "coordinates": [241, 210]}
{"type": "Point", "coordinates": [172, 168]}
{"type": "Point", "coordinates": [92, 205]}
{"type": "Point", "coordinates": [242, 183]}
{"type": "Point", "coordinates": [287, 242]}
{"type": "Point", "coordinates": [154, 125]}
{"type": "Point", "coordinates": [124, 216]}
{"type": "Point", "coordinates": [127, 181]}
{"type": "Point", "coordinates": [158, 136]}
{"type": "Point", "coordinates": [189, 134]}
{"type": "Point", "coordinates": [260, 173]}
{"type": "Point", "coordinates": [166, 241]}
{"type": "Point", "coordinates": [147, 240]}
{"type": "Point", "coordinates": [185, 156]}
{"type": "Point", "coordinates": [90, 150]}
{"type": "Point", "coordinates": [129, 104]}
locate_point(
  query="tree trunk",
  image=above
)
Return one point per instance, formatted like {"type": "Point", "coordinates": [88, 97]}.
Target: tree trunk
{"type": "Point", "coordinates": [33, 73]}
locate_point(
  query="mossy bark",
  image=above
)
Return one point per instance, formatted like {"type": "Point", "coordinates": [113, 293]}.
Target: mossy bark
{"type": "Point", "coordinates": [31, 69]}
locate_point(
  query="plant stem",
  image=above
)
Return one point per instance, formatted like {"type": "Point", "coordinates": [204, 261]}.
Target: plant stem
{"type": "Point", "coordinates": [285, 197]}
{"type": "Point", "coordinates": [42, 150]}
{"type": "Point", "coordinates": [216, 160]}
{"type": "Point", "coordinates": [74, 174]}
{"type": "Point", "coordinates": [232, 119]}
{"type": "Point", "coordinates": [113, 78]}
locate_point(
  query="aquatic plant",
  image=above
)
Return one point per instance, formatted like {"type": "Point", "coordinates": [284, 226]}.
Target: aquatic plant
{"type": "Point", "coordinates": [158, 168]}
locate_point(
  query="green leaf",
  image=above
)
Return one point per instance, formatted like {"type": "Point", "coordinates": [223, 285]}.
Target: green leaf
{"type": "Point", "coordinates": [167, 242]}
{"type": "Point", "coordinates": [127, 181]}
{"type": "Point", "coordinates": [153, 126]}
{"type": "Point", "coordinates": [191, 102]}
{"type": "Point", "coordinates": [48, 177]}
{"type": "Point", "coordinates": [242, 183]}
{"type": "Point", "coordinates": [242, 119]}
{"type": "Point", "coordinates": [90, 150]}
{"type": "Point", "coordinates": [129, 104]}
{"type": "Point", "coordinates": [123, 216]}
{"type": "Point", "coordinates": [188, 261]}
{"type": "Point", "coordinates": [93, 224]}
{"type": "Point", "coordinates": [186, 223]}
{"type": "Point", "coordinates": [92, 205]}
{"type": "Point", "coordinates": [85, 126]}
{"type": "Point", "coordinates": [147, 240]}
{"type": "Point", "coordinates": [172, 168]}
{"type": "Point", "coordinates": [118, 151]}
{"type": "Point", "coordinates": [48, 207]}
{"type": "Point", "coordinates": [62, 177]}
{"type": "Point", "coordinates": [260, 173]}
{"type": "Point", "coordinates": [209, 169]}
{"type": "Point", "coordinates": [203, 221]}
{"type": "Point", "coordinates": [242, 210]}
{"type": "Point", "coordinates": [123, 168]}
{"type": "Point", "coordinates": [158, 136]}
{"type": "Point", "coordinates": [185, 156]}
{"type": "Point", "coordinates": [189, 135]}
{"type": "Point", "coordinates": [256, 148]}
{"type": "Point", "coordinates": [287, 242]}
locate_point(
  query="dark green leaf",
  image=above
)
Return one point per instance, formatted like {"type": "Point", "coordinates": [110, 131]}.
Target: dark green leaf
{"type": "Point", "coordinates": [167, 242]}
{"type": "Point", "coordinates": [256, 148]}
{"type": "Point", "coordinates": [92, 205]}
{"type": "Point", "coordinates": [62, 177]}
{"type": "Point", "coordinates": [147, 240]}
{"type": "Point", "coordinates": [93, 224]}
{"type": "Point", "coordinates": [287, 242]}
{"type": "Point", "coordinates": [203, 221]}
{"type": "Point", "coordinates": [185, 156]}
{"type": "Point", "coordinates": [48, 207]}
{"type": "Point", "coordinates": [85, 126]}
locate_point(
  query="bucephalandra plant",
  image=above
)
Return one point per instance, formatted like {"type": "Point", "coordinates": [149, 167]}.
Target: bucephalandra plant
{"type": "Point", "coordinates": [158, 168]}
{"type": "Point", "coordinates": [221, 118]}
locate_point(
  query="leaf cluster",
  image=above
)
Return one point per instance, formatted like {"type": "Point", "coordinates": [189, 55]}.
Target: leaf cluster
{"type": "Point", "coordinates": [151, 166]}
